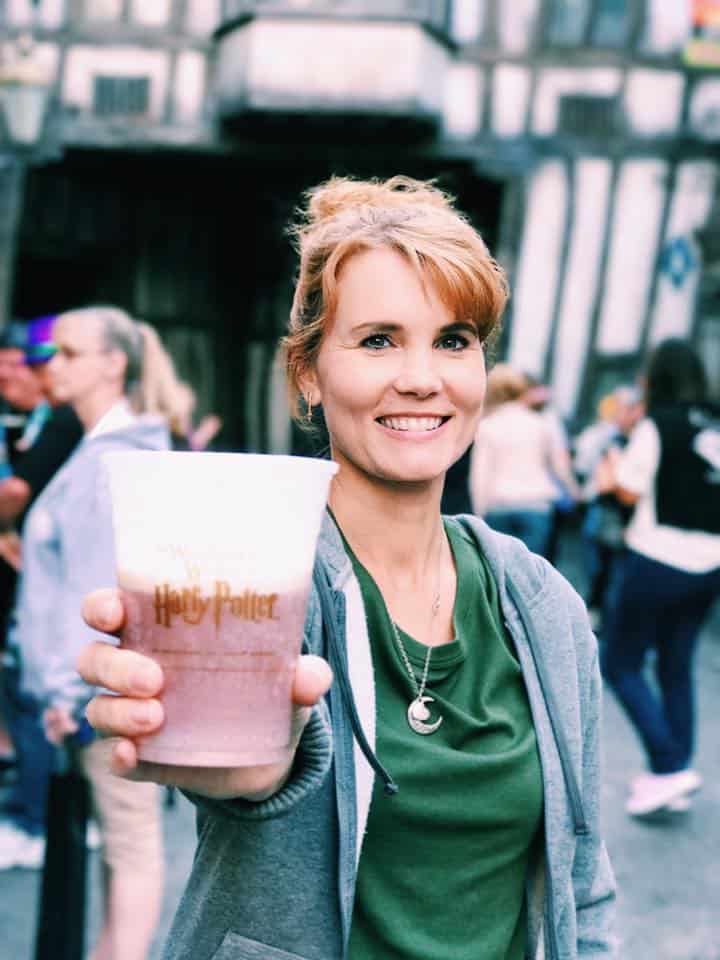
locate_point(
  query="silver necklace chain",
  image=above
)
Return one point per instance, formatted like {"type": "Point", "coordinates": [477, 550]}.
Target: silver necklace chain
{"type": "Point", "coordinates": [417, 713]}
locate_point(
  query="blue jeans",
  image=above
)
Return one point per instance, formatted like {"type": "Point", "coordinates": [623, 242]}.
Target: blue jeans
{"type": "Point", "coordinates": [654, 606]}
{"type": "Point", "coordinates": [531, 526]}
{"type": "Point", "coordinates": [35, 757]}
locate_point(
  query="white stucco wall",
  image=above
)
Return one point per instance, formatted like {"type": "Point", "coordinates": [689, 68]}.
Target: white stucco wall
{"type": "Point", "coordinates": [692, 200]}
{"type": "Point", "coordinates": [592, 184]}
{"type": "Point", "coordinates": [50, 13]}
{"type": "Point", "coordinates": [327, 62]}
{"type": "Point", "coordinates": [203, 16]}
{"type": "Point", "coordinates": [516, 25]}
{"type": "Point", "coordinates": [538, 266]}
{"type": "Point", "coordinates": [103, 9]}
{"type": "Point", "coordinates": [633, 248]}
{"type": "Point", "coordinates": [653, 101]}
{"type": "Point", "coordinates": [152, 13]}
{"type": "Point", "coordinates": [189, 92]}
{"type": "Point", "coordinates": [467, 19]}
{"type": "Point", "coordinates": [511, 90]}
{"type": "Point", "coordinates": [462, 107]}
{"type": "Point", "coordinates": [668, 25]}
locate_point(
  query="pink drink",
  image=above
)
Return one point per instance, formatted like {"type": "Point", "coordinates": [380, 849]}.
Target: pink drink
{"type": "Point", "coordinates": [228, 658]}
{"type": "Point", "coordinates": [214, 554]}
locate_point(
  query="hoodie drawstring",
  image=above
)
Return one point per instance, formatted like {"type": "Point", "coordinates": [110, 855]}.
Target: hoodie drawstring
{"type": "Point", "coordinates": [327, 608]}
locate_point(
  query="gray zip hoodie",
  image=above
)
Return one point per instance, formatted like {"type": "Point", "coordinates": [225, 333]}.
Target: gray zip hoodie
{"type": "Point", "coordinates": [275, 880]}
{"type": "Point", "coordinates": [68, 551]}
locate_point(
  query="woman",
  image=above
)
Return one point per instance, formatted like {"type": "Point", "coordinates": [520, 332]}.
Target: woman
{"type": "Point", "coordinates": [515, 458]}
{"type": "Point", "coordinates": [666, 581]}
{"type": "Point", "coordinates": [161, 391]}
{"type": "Point", "coordinates": [430, 810]}
{"type": "Point", "coordinates": [68, 550]}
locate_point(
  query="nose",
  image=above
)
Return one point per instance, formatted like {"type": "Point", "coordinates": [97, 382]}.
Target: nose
{"type": "Point", "coordinates": [418, 375]}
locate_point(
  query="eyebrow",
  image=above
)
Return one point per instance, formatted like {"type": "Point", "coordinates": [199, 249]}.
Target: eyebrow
{"type": "Point", "coordinates": [454, 327]}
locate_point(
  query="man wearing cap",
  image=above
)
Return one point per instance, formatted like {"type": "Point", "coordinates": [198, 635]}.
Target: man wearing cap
{"type": "Point", "coordinates": [49, 435]}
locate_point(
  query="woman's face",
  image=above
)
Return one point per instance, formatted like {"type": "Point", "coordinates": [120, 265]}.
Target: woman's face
{"type": "Point", "coordinates": [80, 366]}
{"type": "Point", "coordinates": [401, 382]}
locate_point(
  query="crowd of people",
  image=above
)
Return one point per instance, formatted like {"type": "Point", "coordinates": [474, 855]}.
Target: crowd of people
{"type": "Point", "coordinates": [75, 385]}
{"type": "Point", "coordinates": [642, 482]}
{"type": "Point", "coordinates": [444, 792]}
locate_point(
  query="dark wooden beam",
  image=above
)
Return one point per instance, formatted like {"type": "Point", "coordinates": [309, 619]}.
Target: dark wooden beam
{"type": "Point", "coordinates": [646, 329]}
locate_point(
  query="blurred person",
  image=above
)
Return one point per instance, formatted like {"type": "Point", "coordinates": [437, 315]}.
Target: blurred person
{"type": "Point", "coordinates": [51, 434]}
{"type": "Point", "coordinates": [463, 836]}
{"type": "Point", "coordinates": [68, 549]}
{"type": "Point", "coordinates": [666, 581]}
{"type": "Point", "coordinates": [515, 458]}
{"type": "Point", "coordinates": [591, 442]}
{"type": "Point", "coordinates": [538, 397]}
{"type": "Point", "coordinates": [12, 422]}
{"type": "Point", "coordinates": [603, 529]}
{"type": "Point", "coordinates": [161, 391]}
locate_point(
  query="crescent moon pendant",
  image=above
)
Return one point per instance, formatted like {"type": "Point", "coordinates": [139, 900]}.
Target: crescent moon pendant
{"type": "Point", "coordinates": [417, 713]}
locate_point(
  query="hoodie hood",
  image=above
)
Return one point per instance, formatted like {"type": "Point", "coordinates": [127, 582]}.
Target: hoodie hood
{"type": "Point", "coordinates": [146, 432]}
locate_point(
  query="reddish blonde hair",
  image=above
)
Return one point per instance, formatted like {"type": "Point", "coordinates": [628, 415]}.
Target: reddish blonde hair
{"type": "Point", "coordinates": [343, 217]}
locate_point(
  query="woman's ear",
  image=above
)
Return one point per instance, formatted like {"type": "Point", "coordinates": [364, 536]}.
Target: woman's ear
{"type": "Point", "coordinates": [117, 365]}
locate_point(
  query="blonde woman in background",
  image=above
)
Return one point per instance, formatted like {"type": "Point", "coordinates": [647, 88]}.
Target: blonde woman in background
{"type": "Point", "coordinates": [514, 458]}
{"type": "Point", "coordinates": [161, 391]}
{"type": "Point", "coordinates": [67, 548]}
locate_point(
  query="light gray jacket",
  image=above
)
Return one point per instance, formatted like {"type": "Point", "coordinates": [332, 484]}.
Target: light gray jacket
{"type": "Point", "coordinates": [69, 550]}
{"type": "Point", "coordinates": [275, 880]}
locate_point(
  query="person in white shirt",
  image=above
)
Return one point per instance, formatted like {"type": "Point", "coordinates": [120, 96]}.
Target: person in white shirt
{"type": "Point", "coordinates": [514, 461]}
{"type": "Point", "coordinates": [666, 581]}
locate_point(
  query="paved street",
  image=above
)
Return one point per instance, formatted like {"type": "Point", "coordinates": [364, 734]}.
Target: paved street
{"type": "Point", "coordinates": [668, 874]}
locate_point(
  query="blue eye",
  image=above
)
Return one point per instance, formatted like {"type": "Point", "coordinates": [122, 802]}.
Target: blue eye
{"type": "Point", "coordinates": [453, 341]}
{"type": "Point", "coordinates": [376, 341]}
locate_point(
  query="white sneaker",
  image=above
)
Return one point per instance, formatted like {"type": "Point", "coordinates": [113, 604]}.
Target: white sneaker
{"type": "Point", "coordinates": [93, 839]}
{"type": "Point", "coordinates": [20, 849]}
{"type": "Point", "coordinates": [679, 804]}
{"type": "Point", "coordinates": [653, 791]}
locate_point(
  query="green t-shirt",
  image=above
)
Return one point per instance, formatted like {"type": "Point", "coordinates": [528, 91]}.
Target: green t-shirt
{"type": "Point", "coordinates": [443, 864]}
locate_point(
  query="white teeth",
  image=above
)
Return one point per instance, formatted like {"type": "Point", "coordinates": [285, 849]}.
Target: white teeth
{"type": "Point", "coordinates": [414, 424]}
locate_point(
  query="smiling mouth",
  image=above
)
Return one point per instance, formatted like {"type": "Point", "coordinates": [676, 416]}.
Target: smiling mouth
{"type": "Point", "coordinates": [412, 424]}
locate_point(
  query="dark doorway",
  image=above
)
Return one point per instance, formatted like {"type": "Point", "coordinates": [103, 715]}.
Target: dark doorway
{"type": "Point", "coordinates": [195, 244]}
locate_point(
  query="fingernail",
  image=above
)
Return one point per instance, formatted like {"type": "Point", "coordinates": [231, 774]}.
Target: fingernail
{"type": "Point", "coordinates": [146, 715]}
{"type": "Point", "coordinates": [109, 614]}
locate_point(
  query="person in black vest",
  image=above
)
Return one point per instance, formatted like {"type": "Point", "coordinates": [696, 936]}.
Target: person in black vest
{"type": "Point", "coordinates": [666, 581]}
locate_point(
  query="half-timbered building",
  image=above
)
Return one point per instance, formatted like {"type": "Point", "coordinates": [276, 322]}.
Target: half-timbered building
{"type": "Point", "coordinates": [580, 135]}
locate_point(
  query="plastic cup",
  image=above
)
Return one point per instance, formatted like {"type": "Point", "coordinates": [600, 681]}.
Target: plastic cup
{"type": "Point", "coordinates": [214, 555]}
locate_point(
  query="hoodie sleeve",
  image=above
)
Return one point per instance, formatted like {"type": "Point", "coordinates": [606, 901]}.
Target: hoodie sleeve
{"type": "Point", "coordinates": [86, 562]}
{"type": "Point", "coordinates": [592, 874]}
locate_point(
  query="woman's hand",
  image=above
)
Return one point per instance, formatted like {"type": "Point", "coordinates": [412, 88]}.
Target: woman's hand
{"type": "Point", "coordinates": [137, 711]}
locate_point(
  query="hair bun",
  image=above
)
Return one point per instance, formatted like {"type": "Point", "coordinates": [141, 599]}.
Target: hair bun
{"type": "Point", "coordinates": [341, 194]}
